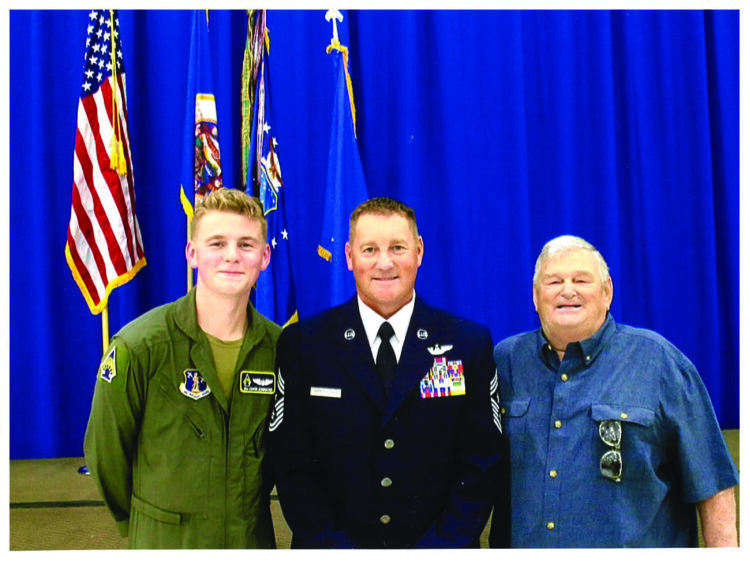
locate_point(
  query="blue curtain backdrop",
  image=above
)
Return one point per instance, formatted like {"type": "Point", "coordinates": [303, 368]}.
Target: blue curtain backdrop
{"type": "Point", "coordinates": [502, 129]}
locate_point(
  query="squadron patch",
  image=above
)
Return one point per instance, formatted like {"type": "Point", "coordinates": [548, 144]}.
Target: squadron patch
{"type": "Point", "coordinates": [446, 378]}
{"type": "Point", "coordinates": [108, 368]}
{"type": "Point", "coordinates": [257, 382]}
{"type": "Point", "coordinates": [194, 386]}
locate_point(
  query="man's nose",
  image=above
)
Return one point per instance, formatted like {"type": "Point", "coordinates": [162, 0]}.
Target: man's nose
{"type": "Point", "coordinates": [385, 261]}
{"type": "Point", "coordinates": [232, 253]}
{"type": "Point", "coordinates": [569, 288]}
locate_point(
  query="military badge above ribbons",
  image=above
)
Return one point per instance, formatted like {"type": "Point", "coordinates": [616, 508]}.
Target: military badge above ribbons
{"type": "Point", "coordinates": [446, 378]}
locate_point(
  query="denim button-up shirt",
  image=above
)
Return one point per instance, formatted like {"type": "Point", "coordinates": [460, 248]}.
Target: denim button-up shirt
{"type": "Point", "coordinates": [672, 450]}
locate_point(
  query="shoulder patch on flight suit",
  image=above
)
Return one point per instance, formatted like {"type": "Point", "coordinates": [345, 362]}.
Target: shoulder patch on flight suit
{"type": "Point", "coordinates": [108, 367]}
{"type": "Point", "coordinates": [257, 382]}
{"type": "Point", "coordinates": [194, 386]}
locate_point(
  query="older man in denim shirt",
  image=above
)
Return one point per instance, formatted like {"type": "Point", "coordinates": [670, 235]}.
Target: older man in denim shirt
{"type": "Point", "coordinates": [613, 438]}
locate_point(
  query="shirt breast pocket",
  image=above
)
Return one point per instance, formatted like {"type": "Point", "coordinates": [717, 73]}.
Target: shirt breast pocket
{"type": "Point", "coordinates": [513, 414]}
{"type": "Point", "coordinates": [629, 430]}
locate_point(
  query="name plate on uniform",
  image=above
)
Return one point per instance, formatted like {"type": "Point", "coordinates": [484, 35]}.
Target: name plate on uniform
{"type": "Point", "coordinates": [326, 392]}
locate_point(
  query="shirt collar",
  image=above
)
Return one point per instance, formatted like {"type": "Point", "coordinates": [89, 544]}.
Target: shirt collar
{"type": "Point", "coordinates": [372, 321]}
{"type": "Point", "coordinates": [589, 348]}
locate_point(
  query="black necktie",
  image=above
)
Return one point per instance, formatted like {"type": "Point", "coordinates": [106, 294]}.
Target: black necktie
{"type": "Point", "coordinates": [386, 358]}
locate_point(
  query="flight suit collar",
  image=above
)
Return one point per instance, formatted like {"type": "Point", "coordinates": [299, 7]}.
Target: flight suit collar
{"type": "Point", "coordinates": [186, 319]}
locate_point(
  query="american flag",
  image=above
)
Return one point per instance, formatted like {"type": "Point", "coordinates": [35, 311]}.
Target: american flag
{"type": "Point", "coordinates": [104, 248]}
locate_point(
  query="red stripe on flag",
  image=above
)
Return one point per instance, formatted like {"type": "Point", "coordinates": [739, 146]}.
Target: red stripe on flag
{"type": "Point", "coordinates": [95, 187]}
{"type": "Point", "coordinates": [86, 229]}
{"type": "Point", "coordinates": [82, 272]}
{"type": "Point", "coordinates": [116, 183]}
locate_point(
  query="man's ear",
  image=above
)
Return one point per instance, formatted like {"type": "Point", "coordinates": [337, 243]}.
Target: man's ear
{"type": "Point", "coordinates": [348, 253]}
{"type": "Point", "coordinates": [190, 254]}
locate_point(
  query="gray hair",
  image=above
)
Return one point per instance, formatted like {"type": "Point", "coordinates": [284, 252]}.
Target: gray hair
{"type": "Point", "coordinates": [564, 243]}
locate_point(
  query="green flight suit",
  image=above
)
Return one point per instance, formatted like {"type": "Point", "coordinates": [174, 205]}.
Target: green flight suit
{"type": "Point", "coordinates": [177, 465]}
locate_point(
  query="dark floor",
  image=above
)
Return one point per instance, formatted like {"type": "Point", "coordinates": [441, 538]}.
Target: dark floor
{"type": "Point", "coordinates": [53, 507]}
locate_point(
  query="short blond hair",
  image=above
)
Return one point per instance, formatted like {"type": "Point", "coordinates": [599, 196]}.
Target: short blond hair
{"type": "Point", "coordinates": [229, 200]}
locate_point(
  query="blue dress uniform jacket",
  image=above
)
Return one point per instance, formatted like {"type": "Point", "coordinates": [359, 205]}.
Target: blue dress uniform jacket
{"type": "Point", "coordinates": [356, 469]}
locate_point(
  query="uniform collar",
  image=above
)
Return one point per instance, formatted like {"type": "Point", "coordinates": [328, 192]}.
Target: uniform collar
{"type": "Point", "coordinates": [372, 321]}
{"type": "Point", "coordinates": [186, 318]}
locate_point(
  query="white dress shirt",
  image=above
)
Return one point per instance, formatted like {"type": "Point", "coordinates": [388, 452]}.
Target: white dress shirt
{"type": "Point", "coordinates": [399, 321]}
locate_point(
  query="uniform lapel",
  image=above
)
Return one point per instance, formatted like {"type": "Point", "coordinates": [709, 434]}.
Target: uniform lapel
{"type": "Point", "coordinates": [353, 350]}
{"type": "Point", "coordinates": [415, 360]}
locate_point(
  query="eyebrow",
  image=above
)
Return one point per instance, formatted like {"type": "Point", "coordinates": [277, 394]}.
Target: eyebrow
{"type": "Point", "coordinates": [556, 274]}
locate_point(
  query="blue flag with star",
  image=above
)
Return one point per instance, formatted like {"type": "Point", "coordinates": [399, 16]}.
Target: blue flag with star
{"type": "Point", "coordinates": [345, 183]}
{"type": "Point", "coordinates": [275, 296]}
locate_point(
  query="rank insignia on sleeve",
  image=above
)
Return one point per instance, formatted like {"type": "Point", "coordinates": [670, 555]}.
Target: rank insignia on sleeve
{"type": "Point", "coordinates": [277, 414]}
{"type": "Point", "coordinates": [446, 378]}
{"type": "Point", "coordinates": [194, 386]}
{"type": "Point", "coordinates": [108, 368]}
{"type": "Point", "coordinates": [257, 382]}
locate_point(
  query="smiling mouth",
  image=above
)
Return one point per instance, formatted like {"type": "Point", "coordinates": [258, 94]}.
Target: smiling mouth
{"type": "Point", "coordinates": [568, 307]}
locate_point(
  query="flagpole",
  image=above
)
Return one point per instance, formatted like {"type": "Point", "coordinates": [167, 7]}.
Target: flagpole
{"type": "Point", "coordinates": [105, 328]}
{"type": "Point", "coordinates": [190, 277]}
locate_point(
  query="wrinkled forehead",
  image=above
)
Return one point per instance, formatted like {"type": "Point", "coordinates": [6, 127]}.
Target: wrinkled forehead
{"type": "Point", "coordinates": [570, 261]}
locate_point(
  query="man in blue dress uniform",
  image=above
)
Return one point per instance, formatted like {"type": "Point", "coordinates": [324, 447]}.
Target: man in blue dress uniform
{"type": "Point", "coordinates": [362, 454]}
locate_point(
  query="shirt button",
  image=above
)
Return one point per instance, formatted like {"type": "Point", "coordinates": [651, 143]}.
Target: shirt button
{"type": "Point", "coordinates": [558, 424]}
{"type": "Point", "coordinates": [385, 519]}
{"type": "Point", "coordinates": [386, 482]}
{"type": "Point", "coordinates": [389, 443]}
{"type": "Point", "coordinates": [553, 473]}
{"type": "Point", "coordinates": [564, 378]}
{"type": "Point", "coordinates": [624, 415]}
{"type": "Point", "coordinates": [550, 525]}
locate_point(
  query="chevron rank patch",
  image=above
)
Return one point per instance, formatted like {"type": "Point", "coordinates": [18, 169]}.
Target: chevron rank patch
{"type": "Point", "coordinates": [108, 367]}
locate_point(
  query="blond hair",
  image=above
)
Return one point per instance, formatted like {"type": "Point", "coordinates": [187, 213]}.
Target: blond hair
{"type": "Point", "coordinates": [229, 200]}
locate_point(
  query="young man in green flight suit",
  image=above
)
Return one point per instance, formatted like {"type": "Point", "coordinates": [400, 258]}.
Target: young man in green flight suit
{"type": "Point", "coordinates": [177, 432]}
